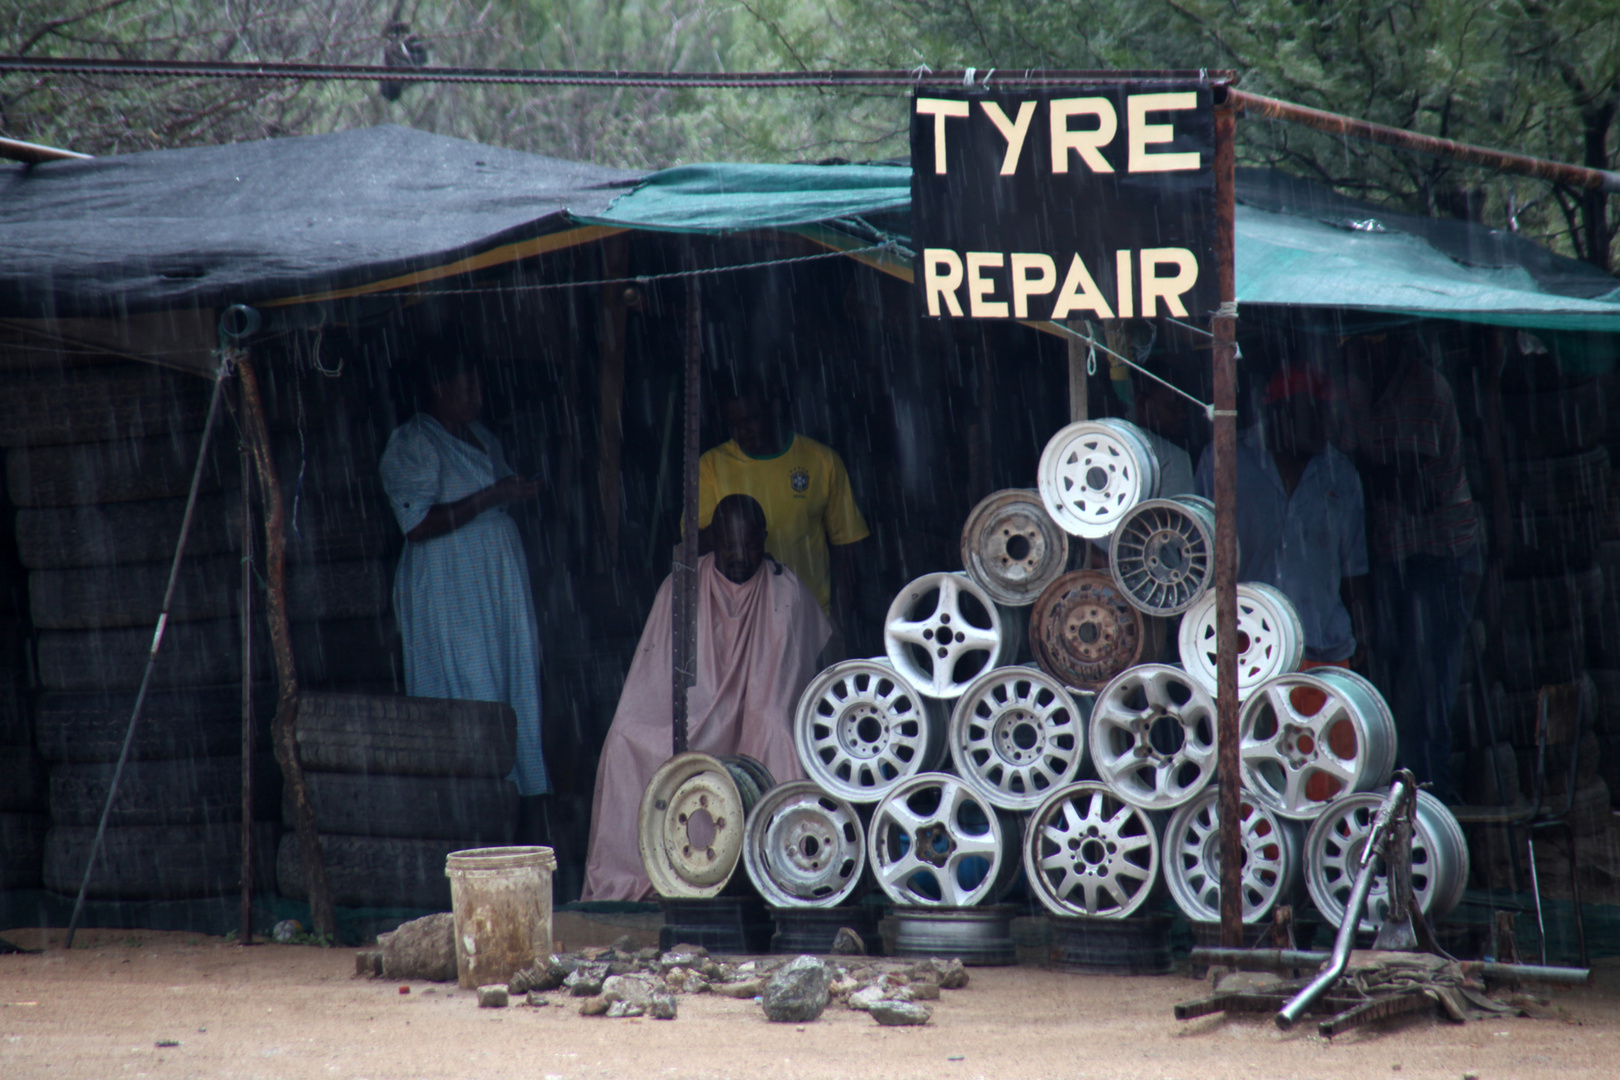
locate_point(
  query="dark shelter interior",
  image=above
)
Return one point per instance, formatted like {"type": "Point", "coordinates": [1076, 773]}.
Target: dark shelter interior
{"type": "Point", "coordinates": [581, 348]}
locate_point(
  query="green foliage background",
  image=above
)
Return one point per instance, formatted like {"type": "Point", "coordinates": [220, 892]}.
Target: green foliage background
{"type": "Point", "coordinates": [1540, 77]}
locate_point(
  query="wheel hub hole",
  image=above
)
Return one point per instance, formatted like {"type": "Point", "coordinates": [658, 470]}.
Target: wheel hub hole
{"type": "Point", "coordinates": [809, 846]}
{"type": "Point", "coordinates": [934, 844]}
{"type": "Point", "coordinates": [1242, 642]}
{"type": "Point", "coordinates": [1096, 478]}
{"type": "Point", "coordinates": [1088, 633]}
{"type": "Point", "coordinates": [700, 828]}
{"type": "Point", "coordinates": [1025, 735]}
{"type": "Point", "coordinates": [868, 729]}
{"type": "Point", "coordinates": [1093, 852]}
{"type": "Point", "coordinates": [1018, 547]}
{"type": "Point", "coordinates": [1305, 744]}
{"type": "Point", "coordinates": [1166, 735]}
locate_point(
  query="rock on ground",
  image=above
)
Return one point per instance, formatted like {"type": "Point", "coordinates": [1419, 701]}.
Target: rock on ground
{"type": "Point", "coordinates": [493, 996]}
{"type": "Point", "coordinates": [548, 974]}
{"type": "Point", "coordinates": [900, 1013]}
{"type": "Point", "coordinates": [949, 974]}
{"type": "Point", "coordinates": [637, 995]}
{"type": "Point", "coordinates": [423, 948]}
{"type": "Point", "coordinates": [848, 943]}
{"type": "Point", "coordinates": [742, 988]}
{"type": "Point", "coordinates": [586, 980]}
{"type": "Point", "coordinates": [798, 992]}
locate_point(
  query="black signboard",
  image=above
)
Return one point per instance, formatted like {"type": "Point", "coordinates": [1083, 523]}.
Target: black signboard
{"type": "Point", "coordinates": [1091, 203]}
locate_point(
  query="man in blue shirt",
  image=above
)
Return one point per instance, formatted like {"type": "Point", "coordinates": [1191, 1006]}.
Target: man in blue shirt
{"type": "Point", "coordinates": [1299, 512]}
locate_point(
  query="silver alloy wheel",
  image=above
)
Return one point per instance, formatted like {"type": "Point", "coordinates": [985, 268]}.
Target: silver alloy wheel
{"type": "Point", "coordinates": [942, 631]}
{"type": "Point", "coordinates": [1012, 548]}
{"type": "Point", "coordinates": [1270, 639]}
{"type": "Point", "coordinates": [1337, 838]}
{"type": "Point", "coordinates": [803, 847]}
{"type": "Point", "coordinates": [1088, 852]}
{"type": "Point", "coordinates": [1153, 736]}
{"type": "Point", "coordinates": [978, 936]}
{"type": "Point", "coordinates": [1093, 472]}
{"type": "Point", "coordinates": [1162, 554]}
{"type": "Point", "coordinates": [1015, 735]}
{"type": "Point", "coordinates": [1273, 862]}
{"type": "Point", "coordinates": [1309, 738]}
{"type": "Point", "coordinates": [690, 826]}
{"type": "Point", "coordinates": [934, 842]}
{"type": "Point", "coordinates": [860, 729]}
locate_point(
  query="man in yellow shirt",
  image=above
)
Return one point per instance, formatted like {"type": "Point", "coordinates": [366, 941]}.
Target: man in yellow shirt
{"type": "Point", "coordinates": [811, 518]}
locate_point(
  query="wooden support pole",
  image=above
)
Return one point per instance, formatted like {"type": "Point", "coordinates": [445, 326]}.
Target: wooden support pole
{"type": "Point", "coordinates": [245, 932]}
{"type": "Point", "coordinates": [610, 424]}
{"type": "Point", "coordinates": [683, 670]}
{"type": "Point", "coordinates": [1079, 382]}
{"type": "Point", "coordinates": [1224, 326]}
{"type": "Point", "coordinates": [284, 730]}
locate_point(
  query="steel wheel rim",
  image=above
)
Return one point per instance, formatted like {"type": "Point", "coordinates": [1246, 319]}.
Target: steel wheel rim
{"type": "Point", "coordinates": [1087, 852]}
{"type": "Point", "coordinates": [1162, 555]}
{"type": "Point", "coordinates": [1297, 728]}
{"type": "Point", "coordinates": [934, 842]}
{"type": "Point", "coordinates": [1333, 851]}
{"type": "Point", "coordinates": [1153, 736]}
{"type": "Point", "coordinates": [1273, 862]}
{"type": "Point", "coordinates": [941, 632]}
{"type": "Point", "coordinates": [860, 729]}
{"type": "Point", "coordinates": [1017, 734]}
{"type": "Point", "coordinates": [1266, 621]}
{"type": "Point", "coordinates": [803, 847]}
{"type": "Point", "coordinates": [1012, 548]}
{"type": "Point", "coordinates": [1083, 631]}
{"type": "Point", "coordinates": [1092, 472]}
{"type": "Point", "coordinates": [690, 794]}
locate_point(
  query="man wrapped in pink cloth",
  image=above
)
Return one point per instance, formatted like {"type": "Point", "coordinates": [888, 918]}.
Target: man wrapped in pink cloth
{"type": "Point", "coordinates": [759, 633]}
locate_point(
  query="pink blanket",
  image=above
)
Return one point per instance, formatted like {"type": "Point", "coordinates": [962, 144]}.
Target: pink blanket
{"type": "Point", "coordinates": [757, 648]}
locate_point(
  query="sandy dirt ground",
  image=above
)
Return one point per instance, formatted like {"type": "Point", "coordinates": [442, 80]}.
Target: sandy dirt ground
{"type": "Point", "coordinates": [275, 1011]}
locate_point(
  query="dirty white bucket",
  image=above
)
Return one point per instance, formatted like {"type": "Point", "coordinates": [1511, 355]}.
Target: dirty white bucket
{"type": "Point", "coordinates": [501, 897]}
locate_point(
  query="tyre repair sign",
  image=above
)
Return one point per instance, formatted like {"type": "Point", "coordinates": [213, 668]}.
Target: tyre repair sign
{"type": "Point", "coordinates": [1091, 203]}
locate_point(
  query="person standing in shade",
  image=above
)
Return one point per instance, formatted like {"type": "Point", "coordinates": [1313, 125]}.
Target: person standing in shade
{"type": "Point", "coordinates": [1299, 515]}
{"type": "Point", "coordinates": [1425, 545]}
{"type": "Point", "coordinates": [461, 594]}
{"type": "Point", "coordinates": [810, 513]}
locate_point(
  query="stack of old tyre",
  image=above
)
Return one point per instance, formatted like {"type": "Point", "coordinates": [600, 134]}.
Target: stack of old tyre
{"type": "Point", "coordinates": [1558, 616]}
{"type": "Point", "coordinates": [23, 810]}
{"type": "Point", "coordinates": [98, 462]}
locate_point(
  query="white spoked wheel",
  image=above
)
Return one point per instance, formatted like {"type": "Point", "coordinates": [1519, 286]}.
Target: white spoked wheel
{"type": "Point", "coordinates": [860, 729]}
{"type": "Point", "coordinates": [934, 842]}
{"type": "Point", "coordinates": [803, 847]}
{"type": "Point", "coordinates": [1273, 862]}
{"type": "Point", "coordinates": [1270, 640]}
{"type": "Point", "coordinates": [1016, 735]}
{"type": "Point", "coordinates": [1309, 738]}
{"type": "Point", "coordinates": [1012, 548]}
{"type": "Point", "coordinates": [942, 631]}
{"type": "Point", "coordinates": [690, 826]}
{"type": "Point", "coordinates": [1333, 848]}
{"type": "Point", "coordinates": [1093, 472]}
{"type": "Point", "coordinates": [1087, 852]}
{"type": "Point", "coordinates": [1162, 555]}
{"type": "Point", "coordinates": [1153, 736]}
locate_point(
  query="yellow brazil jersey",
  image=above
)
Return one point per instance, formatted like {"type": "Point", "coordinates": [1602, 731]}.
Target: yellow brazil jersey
{"type": "Point", "coordinates": [805, 493]}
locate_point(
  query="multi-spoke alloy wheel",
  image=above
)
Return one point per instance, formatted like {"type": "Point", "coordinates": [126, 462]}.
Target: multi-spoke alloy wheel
{"type": "Point", "coordinates": [934, 842]}
{"type": "Point", "coordinates": [1012, 548]}
{"type": "Point", "coordinates": [860, 729]}
{"type": "Point", "coordinates": [803, 847]}
{"type": "Point", "coordinates": [1093, 472]}
{"type": "Point", "coordinates": [942, 631]}
{"type": "Point", "coordinates": [1089, 852]}
{"type": "Point", "coordinates": [1153, 736]}
{"type": "Point", "coordinates": [1272, 861]}
{"type": "Point", "coordinates": [1016, 735]}
{"type": "Point", "coordinates": [1162, 555]}
{"type": "Point", "coordinates": [1337, 838]}
{"type": "Point", "coordinates": [1309, 738]}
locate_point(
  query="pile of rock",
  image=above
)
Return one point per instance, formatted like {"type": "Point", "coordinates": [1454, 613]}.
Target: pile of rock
{"type": "Point", "coordinates": [623, 980]}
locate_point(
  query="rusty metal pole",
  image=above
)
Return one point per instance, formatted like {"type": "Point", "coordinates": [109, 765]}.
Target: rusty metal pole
{"type": "Point", "coordinates": [683, 671]}
{"type": "Point", "coordinates": [1225, 453]}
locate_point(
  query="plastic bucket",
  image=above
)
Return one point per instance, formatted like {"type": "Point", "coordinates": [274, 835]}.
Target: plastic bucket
{"type": "Point", "coordinates": [501, 898]}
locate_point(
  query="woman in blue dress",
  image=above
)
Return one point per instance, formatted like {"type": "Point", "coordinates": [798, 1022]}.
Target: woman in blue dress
{"type": "Point", "coordinates": [462, 595]}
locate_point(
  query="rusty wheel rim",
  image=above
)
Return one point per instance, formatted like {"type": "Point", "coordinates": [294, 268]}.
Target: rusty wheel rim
{"type": "Point", "coordinates": [1083, 631]}
{"type": "Point", "coordinates": [1012, 548]}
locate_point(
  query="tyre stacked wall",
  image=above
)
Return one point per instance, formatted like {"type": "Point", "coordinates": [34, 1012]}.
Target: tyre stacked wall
{"type": "Point", "coordinates": [23, 813]}
{"type": "Point", "coordinates": [98, 463]}
{"type": "Point", "coordinates": [398, 784]}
